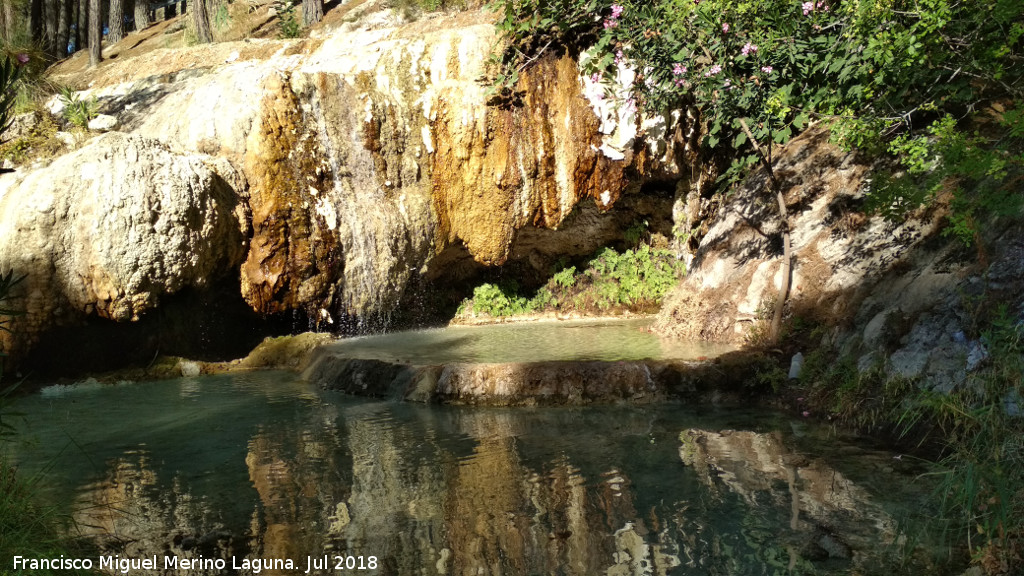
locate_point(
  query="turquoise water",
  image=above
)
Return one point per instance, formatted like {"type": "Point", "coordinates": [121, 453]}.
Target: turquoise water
{"type": "Point", "coordinates": [261, 466]}
{"type": "Point", "coordinates": [608, 340]}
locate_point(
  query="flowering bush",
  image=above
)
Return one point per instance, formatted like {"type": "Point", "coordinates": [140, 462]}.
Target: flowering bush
{"type": "Point", "coordinates": [873, 68]}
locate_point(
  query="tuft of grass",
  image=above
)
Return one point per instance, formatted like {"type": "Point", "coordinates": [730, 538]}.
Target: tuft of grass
{"type": "Point", "coordinates": [31, 529]}
{"type": "Point", "coordinates": [981, 426]}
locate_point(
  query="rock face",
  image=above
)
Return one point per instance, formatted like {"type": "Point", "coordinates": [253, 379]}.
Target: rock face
{"type": "Point", "coordinates": [358, 157]}
{"type": "Point", "coordinates": [895, 294]}
{"type": "Point", "coordinates": [110, 229]}
{"type": "Point", "coordinates": [371, 151]}
{"type": "Point", "coordinates": [839, 252]}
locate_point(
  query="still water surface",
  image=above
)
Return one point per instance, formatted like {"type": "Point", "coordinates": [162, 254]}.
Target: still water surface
{"type": "Point", "coordinates": [263, 466]}
{"type": "Point", "coordinates": [607, 340]}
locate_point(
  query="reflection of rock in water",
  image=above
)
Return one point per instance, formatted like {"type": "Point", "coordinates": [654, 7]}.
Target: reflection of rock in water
{"type": "Point", "coordinates": [829, 516]}
{"type": "Point", "coordinates": [133, 514]}
{"type": "Point", "coordinates": [426, 506]}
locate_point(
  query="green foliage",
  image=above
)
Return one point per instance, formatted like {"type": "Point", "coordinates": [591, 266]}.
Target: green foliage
{"type": "Point", "coordinates": [31, 529]}
{"type": "Point", "coordinates": [411, 9]}
{"type": "Point", "coordinates": [77, 111]}
{"type": "Point", "coordinates": [635, 280]}
{"type": "Point", "coordinates": [289, 25]}
{"type": "Point", "coordinates": [497, 301]}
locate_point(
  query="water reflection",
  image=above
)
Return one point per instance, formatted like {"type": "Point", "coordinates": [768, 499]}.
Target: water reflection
{"type": "Point", "coordinates": [261, 467]}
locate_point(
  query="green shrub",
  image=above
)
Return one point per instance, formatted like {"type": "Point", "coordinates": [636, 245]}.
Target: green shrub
{"type": "Point", "coordinates": [635, 280]}
{"type": "Point", "coordinates": [289, 25]}
{"type": "Point", "coordinates": [873, 69]}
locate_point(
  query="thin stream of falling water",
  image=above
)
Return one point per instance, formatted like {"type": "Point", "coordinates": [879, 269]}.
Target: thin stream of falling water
{"type": "Point", "coordinates": [356, 208]}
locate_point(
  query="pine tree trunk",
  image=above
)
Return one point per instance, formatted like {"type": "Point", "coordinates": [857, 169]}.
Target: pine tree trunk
{"type": "Point", "coordinates": [115, 21]}
{"type": "Point", "coordinates": [9, 19]}
{"type": "Point", "coordinates": [51, 17]}
{"type": "Point", "coordinates": [312, 11]}
{"type": "Point", "coordinates": [202, 21]}
{"type": "Point", "coordinates": [95, 33]}
{"type": "Point", "coordinates": [35, 20]}
{"type": "Point", "coordinates": [63, 27]}
{"type": "Point", "coordinates": [82, 27]}
{"type": "Point", "coordinates": [141, 14]}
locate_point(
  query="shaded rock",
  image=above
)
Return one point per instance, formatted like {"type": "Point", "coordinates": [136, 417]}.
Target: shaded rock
{"type": "Point", "coordinates": [839, 253]}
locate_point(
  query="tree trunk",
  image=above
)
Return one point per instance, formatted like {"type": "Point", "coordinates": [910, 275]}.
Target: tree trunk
{"type": "Point", "coordinates": [35, 20]}
{"type": "Point", "coordinates": [141, 15]}
{"type": "Point", "coordinates": [312, 12]}
{"type": "Point", "coordinates": [115, 20]}
{"type": "Point", "coordinates": [170, 11]}
{"type": "Point", "coordinates": [95, 33]}
{"type": "Point", "coordinates": [82, 28]}
{"type": "Point", "coordinates": [202, 21]}
{"type": "Point", "coordinates": [51, 17]}
{"type": "Point", "coordinates": [63, 27]}
{"type": "Point", "coordinates": [787, 257]}
{"type": "Point", "coordinates": [10, 20]}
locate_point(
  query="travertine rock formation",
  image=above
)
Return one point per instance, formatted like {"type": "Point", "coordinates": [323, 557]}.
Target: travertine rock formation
{"type": "Point", "coordinates": [111, 228]}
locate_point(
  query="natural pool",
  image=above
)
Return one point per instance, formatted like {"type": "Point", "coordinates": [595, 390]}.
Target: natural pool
{"type": "Point", "coordinates": [607, 340]}
{"type": "Point", "coordinates": [261, 466]}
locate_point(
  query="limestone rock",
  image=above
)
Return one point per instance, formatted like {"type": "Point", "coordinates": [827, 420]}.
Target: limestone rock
{"type": "Point", "coordinates": [378, 150]}
{"type": "Point", "coordinates": [103, 123]}
{"type": "Point", "coordinates": [840, 253]}
{"type": "Point", "coordinates": [111, 228]}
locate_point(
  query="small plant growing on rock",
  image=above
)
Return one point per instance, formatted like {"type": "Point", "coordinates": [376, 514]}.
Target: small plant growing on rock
{"type": "Point", "coordinates": [76, 110]}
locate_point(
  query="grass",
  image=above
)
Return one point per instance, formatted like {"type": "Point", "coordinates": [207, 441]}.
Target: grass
{"type": "Point", "coordinates": [31, 529]}
{"type": "Point", "coordinates": [975, 433]}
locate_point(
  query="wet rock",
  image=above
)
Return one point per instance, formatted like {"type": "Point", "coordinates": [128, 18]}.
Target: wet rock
{"type": "Point", "coordinates": [190, 369]}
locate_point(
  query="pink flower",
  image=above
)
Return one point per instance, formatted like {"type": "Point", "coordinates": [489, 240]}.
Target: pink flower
{"type": "Point", "coordinates": [595, 77]}
{"type": "Point", "coordinates": [22, 58]}
{"type": "Point", "coordinates": [822, 6]}
{"type": "Point", "coordinates": [727, 83]}
{"type": "Point", "coordinates": [616, 10]}
{"type": "Point", "coordinates": [749, 48]}
{"type": "Point", "coordinates": [680, 82]}
{"type": "Point", "coordinates": [808, 8]}
{"type": "Point", "coordinates": [768, 70]}
{"type": "Point", "coordinates": [801, 399]}
{"type": "Point", "coordinates": [619, 57]}
{"type": "Point", "coordinates": [725, 28]}
{"type": "Point", "coordinates": [714, 70]}
{"type": "Point", "coordinates": [806, 413]}
{"type": "Point", "coordinates": [610, 24]}
{"type": "Point", "coordinates": [678, 69]}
